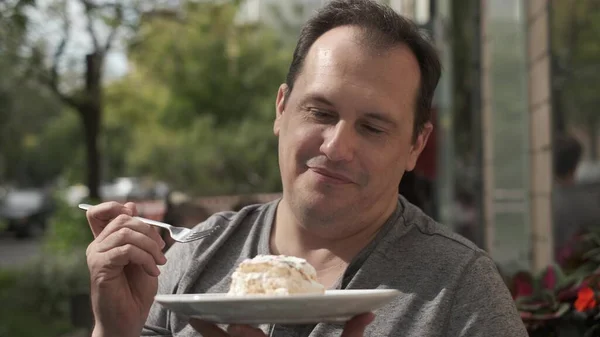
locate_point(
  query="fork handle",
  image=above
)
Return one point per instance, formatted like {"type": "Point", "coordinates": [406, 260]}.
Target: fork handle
{"type": "Point", "coordinates": [85, 207]}
{"type": "Point", "coordinates": [153, 222]}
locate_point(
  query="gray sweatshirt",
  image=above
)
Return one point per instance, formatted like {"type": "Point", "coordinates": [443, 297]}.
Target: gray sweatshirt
{"type": "Point", "coordinates": [448, 286]}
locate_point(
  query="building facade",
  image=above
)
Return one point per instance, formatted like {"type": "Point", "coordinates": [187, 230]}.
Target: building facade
{"type": "Point", "coordinates": [516, 131]}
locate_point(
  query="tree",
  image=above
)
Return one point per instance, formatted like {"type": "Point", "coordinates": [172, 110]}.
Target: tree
{"type": "Point", "coordinates": [105, 22]}
{"type": "Point", "coordinates": [202, 103]}
{"type": "Point", "coordinates": [26, 110]}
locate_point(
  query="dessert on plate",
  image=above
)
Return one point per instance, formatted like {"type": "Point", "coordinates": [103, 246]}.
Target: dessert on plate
{"type": "Point", "coordinates": [275, 275]}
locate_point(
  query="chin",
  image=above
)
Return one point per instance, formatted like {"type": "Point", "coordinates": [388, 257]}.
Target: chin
{"type": "Point", "coordinates": [322, 201]}
{"type": "Point", "coordinates": [316, 196]}
{"type": "Point", "coordinates": [312, 189]}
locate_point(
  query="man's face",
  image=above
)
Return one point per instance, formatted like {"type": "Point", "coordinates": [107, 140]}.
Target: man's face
{"type": "Point", "coordinates": [346, 130]}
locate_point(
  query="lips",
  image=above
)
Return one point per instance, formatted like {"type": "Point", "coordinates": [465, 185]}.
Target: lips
{"type": "Point", "coordinates": [332, 175]}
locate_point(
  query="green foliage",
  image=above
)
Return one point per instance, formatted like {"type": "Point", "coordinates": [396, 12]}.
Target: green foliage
{"type": "Point", "coordinates": [27, 154]}
{"type": "Point", "coordinates": [31, 130]}
{"type": "Point", "coordinates": [214, 67]}
{"type": "Point", "coordinates": [68, 230]}
{"type": "Point", "coordinates": [550, 302]}
{"type": "Point", "coordinates": [202, 104]}
{"type": "Point", "coordinates": [35, 298]}
{"type": "Point", "coordinates": [195, 111]}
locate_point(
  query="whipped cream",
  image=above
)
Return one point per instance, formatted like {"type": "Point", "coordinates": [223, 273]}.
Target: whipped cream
{"type": "Point", "coordinates": [275, 275]}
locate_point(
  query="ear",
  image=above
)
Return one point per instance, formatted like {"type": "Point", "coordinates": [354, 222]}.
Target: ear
{"type": "Point", "coordinates": [418, 146]}
{"type": "Point", "coordinates": [279, 108]}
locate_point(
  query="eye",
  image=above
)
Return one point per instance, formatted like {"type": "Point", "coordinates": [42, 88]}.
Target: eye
{"type": "Point", "coordinates": [320, 114]}
{"type": "Point", "coordinates": [372, 129]}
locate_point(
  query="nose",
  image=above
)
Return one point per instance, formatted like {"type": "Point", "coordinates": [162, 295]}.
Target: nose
{"type": "Point", "coordinates": [339, 142]}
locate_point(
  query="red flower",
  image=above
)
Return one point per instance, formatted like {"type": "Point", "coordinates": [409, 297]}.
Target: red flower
{"type": "Point", "coordinates": [586, 299]}
{"type": "Point", "coordinates": [522, 285]}
{"type": "Point", "coordinates": [549, 279]}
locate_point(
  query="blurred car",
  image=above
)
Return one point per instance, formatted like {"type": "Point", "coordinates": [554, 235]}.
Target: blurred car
{"type": "Point", "coordinates": [26, 211]}
{"type": "Point", "coordinates": [121, 189]}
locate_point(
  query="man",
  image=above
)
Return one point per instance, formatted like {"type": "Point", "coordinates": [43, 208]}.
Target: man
{"type": "Point", "coordinates": [352, 117]}
{"type": "Point", "coordinates": [575, 207]}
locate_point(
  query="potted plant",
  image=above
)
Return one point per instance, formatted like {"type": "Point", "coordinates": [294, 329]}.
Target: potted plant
{"type": "Point", "coordinates": [563, 300]}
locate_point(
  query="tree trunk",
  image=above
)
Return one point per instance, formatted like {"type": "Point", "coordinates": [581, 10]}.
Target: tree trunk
{"type": "Point", "coordinates": [91, 113]}
{"type": "Point", "coordinates": [91, 126]}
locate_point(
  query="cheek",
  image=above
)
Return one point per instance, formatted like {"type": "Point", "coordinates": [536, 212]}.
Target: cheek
{"type": "Point", "coordinates": [304, 140]}
{"type": "Point", "coordinates": [385, 164]}
{"type": "Point", "coordinates": [298, 142]}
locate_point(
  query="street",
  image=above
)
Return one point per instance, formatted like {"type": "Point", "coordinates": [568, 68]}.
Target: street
{"type": "Point", "coordinates": [15, 252]}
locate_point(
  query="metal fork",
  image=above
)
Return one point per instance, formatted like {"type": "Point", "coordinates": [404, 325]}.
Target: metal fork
{"type": "Point", "coordinates": [180, 234]}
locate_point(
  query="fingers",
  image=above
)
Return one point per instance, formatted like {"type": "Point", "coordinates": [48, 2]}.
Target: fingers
{"type": "Point", "coordinates": [124, 240]}
{"type": "Point", "coordinates": [353, 328]}
{"type": "Point", "coordinates": [130, 254]}
{"type": "Point", "coordinates": [100, 215]}
{"type": "Point", "coordinates": [131, 236]}
{"type": "Point", "coordinates": [357, 325]}
{"type": "Point", "coordinates": [207, 329]}
{"type": "Point", "coordinates": [134, 212]}
{"type": "Point", "coordinates": [129, 222]}
{"type": "Point", "coordinates": [234, 330]}
{"type": "Point", "coordinates": [237, 330]}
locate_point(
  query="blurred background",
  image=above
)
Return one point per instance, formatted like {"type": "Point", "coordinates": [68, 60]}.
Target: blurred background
{"type": "Point", "coordinates": [170, 103]}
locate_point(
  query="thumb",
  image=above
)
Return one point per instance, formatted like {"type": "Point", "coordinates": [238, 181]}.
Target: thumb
{"type": "Point", "coordinates": [357, 325]}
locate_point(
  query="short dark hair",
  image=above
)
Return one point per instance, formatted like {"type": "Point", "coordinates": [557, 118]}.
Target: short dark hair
{"type": "Point", "coordinates": [567, 154]}
{"type": "Point", "coordinates": [383, 28]}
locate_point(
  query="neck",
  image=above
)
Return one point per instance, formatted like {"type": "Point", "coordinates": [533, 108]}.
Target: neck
{"type": "Point", "coordinates": [321, 248]}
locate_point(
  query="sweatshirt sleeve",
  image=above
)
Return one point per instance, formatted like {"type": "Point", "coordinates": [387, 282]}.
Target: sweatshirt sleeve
{"type": "Point", "coordinates": [482, 304]}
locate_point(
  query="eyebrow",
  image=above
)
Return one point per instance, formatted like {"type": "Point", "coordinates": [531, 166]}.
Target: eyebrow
{"type": "Point", "coordinates": [318, 98]}
{"type": "Point", "coordinates": [382, 118]}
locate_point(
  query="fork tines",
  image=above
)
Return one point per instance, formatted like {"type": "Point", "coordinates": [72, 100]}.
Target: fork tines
{"type": "Point", "coordinates": [198, 235]}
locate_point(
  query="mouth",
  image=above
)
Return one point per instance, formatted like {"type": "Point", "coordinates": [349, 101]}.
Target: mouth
{"type": "Point", "coordinates": [332, 176]}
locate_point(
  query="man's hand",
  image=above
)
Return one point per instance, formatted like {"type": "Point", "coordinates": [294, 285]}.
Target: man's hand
{"type": "Point", "coordinates": [353, 328]}
{"type": "Point", "coordinates": [123, 261]}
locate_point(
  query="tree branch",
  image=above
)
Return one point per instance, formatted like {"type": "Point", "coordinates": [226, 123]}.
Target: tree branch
{"type": "Point", "coordinates": [53, 81]}
{"type": "Point", "coordinates": [118, 21]}
{"type": "Point", "coordinates": [88, 8]}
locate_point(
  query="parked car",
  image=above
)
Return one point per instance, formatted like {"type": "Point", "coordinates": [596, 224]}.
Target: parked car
{"type": "Point", "coordinates": [121, 189]}
{"type": "Point", "coordinates": [26, 210]}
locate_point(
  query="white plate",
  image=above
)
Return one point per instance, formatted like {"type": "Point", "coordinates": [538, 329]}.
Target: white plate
{"type": "Point", "coordinates": [333, 306]}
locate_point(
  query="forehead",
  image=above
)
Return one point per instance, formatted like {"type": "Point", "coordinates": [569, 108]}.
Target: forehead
{"type": "Point", "coordinates": [340, 63]}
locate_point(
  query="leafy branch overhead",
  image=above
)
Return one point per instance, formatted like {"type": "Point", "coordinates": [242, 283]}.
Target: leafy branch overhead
{"type": "Point", "coordinates": [99, 17]}
{"type": "Point", "coordinates": [105, 23]}
{"type": "Point", "coordinates": [207, 98]}
{"type": "Point", "coordinates": [199, 91]}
